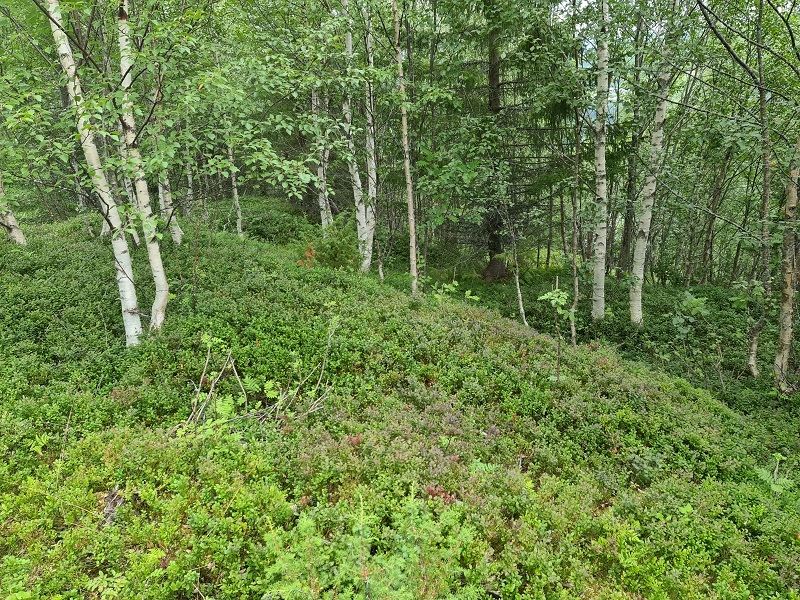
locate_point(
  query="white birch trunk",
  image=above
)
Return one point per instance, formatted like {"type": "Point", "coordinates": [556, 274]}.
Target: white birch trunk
{"type": "Point", "coordinates": [352, 163]}
{"type": "Point", "coordinates": [129, 190]}
{"type": "Point", "coordinates": [122, 257]}
{"type": "Point", "coordinates": [520, 303]}
{"type": "Point", "coordinates": [412, 232]}
{"type": "Point", "coordinates": [7, 219]}
{"type": "Point", "coordinates": [134, 166]}
{"type": "Point", "coordinates": [649, 196]}
{"type": "Point", "coordinates": [601, 194]}
{"type": "Point", "coordinates": [789, 271]}
{"type": "Point", "coordinates": [167, 208]}
{"type": "Point", "coordinates": [325, 215]}
{"type": "Point", "coordinates": [235, 188]}
{"type": "Point", "coordinates": [372, 169]}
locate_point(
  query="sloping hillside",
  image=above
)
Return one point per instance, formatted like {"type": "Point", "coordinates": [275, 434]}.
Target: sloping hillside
{"type": "Point", "coordinates": [363, 444]}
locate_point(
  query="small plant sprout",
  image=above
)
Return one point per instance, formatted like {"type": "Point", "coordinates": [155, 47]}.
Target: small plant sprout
{"type": "Point", "coordinates": [441, 291]}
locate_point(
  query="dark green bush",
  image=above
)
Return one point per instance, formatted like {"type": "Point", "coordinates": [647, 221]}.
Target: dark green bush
{"type": "Point", "coordinates": [279, 227]}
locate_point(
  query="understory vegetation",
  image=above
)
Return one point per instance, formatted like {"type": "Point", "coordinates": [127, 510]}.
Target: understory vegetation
{"type": "Point", "coordinates": [299, 430]}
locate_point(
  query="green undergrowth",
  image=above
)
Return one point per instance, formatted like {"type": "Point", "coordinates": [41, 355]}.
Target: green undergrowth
{"type": "Point", "coordinates": [699, 333]}
{"type": "Point", "coordinates": [367, 445]}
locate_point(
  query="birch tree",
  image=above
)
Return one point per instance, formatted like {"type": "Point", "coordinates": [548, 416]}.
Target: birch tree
{"type": "Point", "coordinates": [645, 216]}
{"type": "Point", "coordinates": [362, 219]}
{"type": "Point", "coordinates": [135, 167]}
{"type": "Point", "coordinates": [789, 274]}
{"type": "Point", "coordinates": [122, 258]}
{"type": "Point", "coordinates": [235, 191]}
{"type": "Point", "coordinates": [318, 107]}
{"type": "Point", "coordinates": [412, 232]}
{"type": "Point", "coordinates": [370, 135]}
{"type": "Point", "coordinates": [601, 194]}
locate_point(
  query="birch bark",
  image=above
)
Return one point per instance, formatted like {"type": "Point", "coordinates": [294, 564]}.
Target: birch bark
{"type": "Point", "coordinates": [352, 163]}
{"type": "Point", "coordinates": [372, 170]}
{"type": "Point", "coordinates": [168, 209]}
{"type": "Point", "coordinates": [122, 258]}
{"type": "Point", "coordinates": [7, 219]}
{"type": "Point", "coordinates": [235, 189]}
{"type": "Point", "coordinates": [412, 231]}
{"type": "Point", "coordinates": [134, 166]}
{"type": "Point", "coordinates": [601, 188]}
{"type": "Point", "coordinates": [649, 195]}
{"type": "Point", "coordinates": [789, 271]}
{"type": "Point", "coordinates": [317, 107]}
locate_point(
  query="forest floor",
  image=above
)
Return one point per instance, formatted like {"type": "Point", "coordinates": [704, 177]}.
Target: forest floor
{"type": "Point", "coordinates": [309, 432]}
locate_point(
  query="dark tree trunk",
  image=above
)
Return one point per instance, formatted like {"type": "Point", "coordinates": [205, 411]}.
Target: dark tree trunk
{"type": "Point", "coordinates": [493, 222]}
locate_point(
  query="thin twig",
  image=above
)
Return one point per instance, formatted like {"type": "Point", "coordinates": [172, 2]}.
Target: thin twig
{"type": "Point", "coordinates": [331, 329]}
{"type": "Point", "coordinates": [241, 386]}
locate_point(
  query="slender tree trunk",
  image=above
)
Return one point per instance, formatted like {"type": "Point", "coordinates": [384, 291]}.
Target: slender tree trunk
{"type": "Point", "coordinates": [129, 189]}
{"type": "Point", "coordinates": [190, 188]}
{"type": "Point", "coordinates": [736, 267]}
{"type": "Point", "coordinates": [372, 163]}
{"type": "Point", "coordinates": [167, 208]}
{"type": "Point", "coordinates": [626, 245]}
{"type": "Point", "coordinates": [7, 219]}
{"type": "Point", "coordinates": [601, 193]}
{"type": "Point", "coordinates": [122, 257]}
{"type": "Point", "coordinates": [492, 222]}
{"type": "Point", "coordinates": [494, 58]}
{"type": "Point", "coordinates": [766, 238]}
{"type": "Point", "coordinates": [576, 182]}
{"type": "Point", "coordinates": [127, 183]}
{"type": "Point", "coordinates": [516, 282]}
{"type": "Point", "coordinates": [613, 217]}
{"type": "Point", "coordinates": [134, 164]}
{"type": "Point", "coordinates": [688, 268]}
{"type": "Point", "coordinates": [562, 225]}
{"type": "Point", "coordinates": [515, 258]}
{"type": "Point", "coordinates": [576, 187]}
{"type": "Point", "coordinates": [325, 215]}
{"type": "Point", "coordinates": [235, 189]}
{"type": "Point", "coordinates": [352, 161]}
{"type": "Point", "coordinates": [79, 190]}
{"type": "Point", "coordinates": [549, 229]}
{"type": "Point", "coordinates": [717, 194]}
{"type": "Point", "coordinates": [412, 230]}
{"type": "Point", "coordinates": [789, 271]}
{"type": "Point", "coordinates": [130, 194]}
{"type": "Point", "coordinates": [649, 196]}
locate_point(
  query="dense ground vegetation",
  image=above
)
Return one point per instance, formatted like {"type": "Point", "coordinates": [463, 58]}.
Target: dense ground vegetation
{"type": "Point", "coordinates": [591, 390]}
{"type": "Point", "coordinates": [369, 444]}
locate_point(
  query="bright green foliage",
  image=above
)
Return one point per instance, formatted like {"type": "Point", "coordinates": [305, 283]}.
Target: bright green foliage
{"type": "Point", "coordinates": [443, 462]}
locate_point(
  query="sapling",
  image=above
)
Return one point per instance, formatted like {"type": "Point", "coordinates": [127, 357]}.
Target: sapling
{"type": "Point", "coordinates": [558, 300]}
